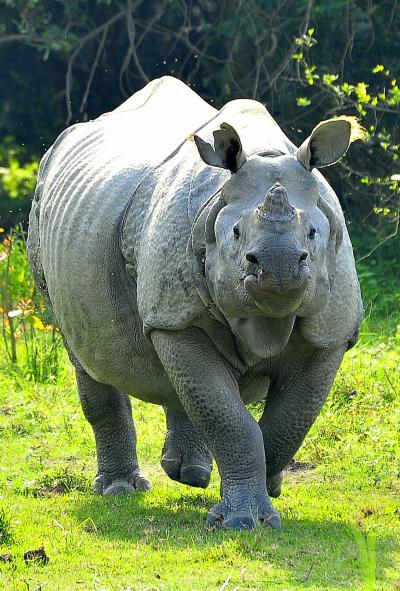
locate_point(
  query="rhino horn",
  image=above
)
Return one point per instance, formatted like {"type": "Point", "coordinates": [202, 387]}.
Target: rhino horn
{"type": "Point", "coordinates": [276, 206]}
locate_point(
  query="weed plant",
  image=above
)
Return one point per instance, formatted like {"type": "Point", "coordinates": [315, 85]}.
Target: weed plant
{"type": "Point", "coordinates": [32, 342]}
{"type": "Point", "coordinates": [5, 528]}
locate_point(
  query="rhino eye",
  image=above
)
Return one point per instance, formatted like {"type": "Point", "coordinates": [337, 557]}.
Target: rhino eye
{"type": "Point", "coordinates": [312, 233]}
{"type": "Point", "coordinates": [236, 232]}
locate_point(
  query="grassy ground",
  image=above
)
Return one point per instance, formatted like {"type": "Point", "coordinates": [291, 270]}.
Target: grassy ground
{"type": "Point", "coordinates": [340, 507]}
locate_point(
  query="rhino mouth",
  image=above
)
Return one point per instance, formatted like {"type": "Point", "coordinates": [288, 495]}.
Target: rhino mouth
{"type": "Point", "coordinates": [277, 297]}
{"type": "Point", "coordinates": [261, 282]}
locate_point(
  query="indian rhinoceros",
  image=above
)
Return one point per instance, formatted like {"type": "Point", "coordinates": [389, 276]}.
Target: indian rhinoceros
{"type": "Point", "coordinates": [195, 259]}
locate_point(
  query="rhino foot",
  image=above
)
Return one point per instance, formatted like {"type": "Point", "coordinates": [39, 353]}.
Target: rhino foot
{"type": "Point", "coordinates": [108, 486]}
{"type": "Point", "coordinates": [191, 474]}
{"type": "Point", "coordinates": [243, 509]}
{"type": "Point", "coordinates": [274, 485]}
{"type": "Point", "coordinates": [185, 456]}
{"type": "Point", "coordinates": [192, 466]}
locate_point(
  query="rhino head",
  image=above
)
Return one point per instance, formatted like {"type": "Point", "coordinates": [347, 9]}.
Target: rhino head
{"type": "Point", "coordinates": [268, 239]}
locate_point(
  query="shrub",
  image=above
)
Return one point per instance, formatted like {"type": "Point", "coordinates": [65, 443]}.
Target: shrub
{"type": "Point", "coordinates": [32, 342]}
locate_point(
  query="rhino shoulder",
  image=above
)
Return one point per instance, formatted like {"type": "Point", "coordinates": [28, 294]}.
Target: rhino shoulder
{"type": "Point", "coordinates": [154, 240]}
{"type": "Point", "coordinates": [340, 321]}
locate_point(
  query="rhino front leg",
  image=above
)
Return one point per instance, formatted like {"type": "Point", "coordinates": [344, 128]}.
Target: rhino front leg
{"type": "Point", "coordinates": [210, 396]}
{"type": "Point", "coordinates": [110, 414]}
{"type": "Point", "coordinates": [185, 456]}
{"type": "Point", "coordinates": [292, 408]}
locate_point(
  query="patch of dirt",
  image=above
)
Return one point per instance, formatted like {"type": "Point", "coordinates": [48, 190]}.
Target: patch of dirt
{"type": "Point", "coordinates": [90, 527]}
{"type": "Point", "coordinates": [367, 511]}
{"type": "Point", "coordinates": [38, 556]}
{"type": "Point", "coordinates": [56, 483]}
{"type": "Point", "coordinates": [294, 466]}
{"type": "Point", "coordinates": [53, 490]}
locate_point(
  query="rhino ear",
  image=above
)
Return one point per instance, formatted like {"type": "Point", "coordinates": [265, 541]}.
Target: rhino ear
{"type": "Point", "coordinates": [203, 225]}
{"type": "Point", "coordinates": [328, 142]}
{"type": "Point", "coordinates": [227, 152]}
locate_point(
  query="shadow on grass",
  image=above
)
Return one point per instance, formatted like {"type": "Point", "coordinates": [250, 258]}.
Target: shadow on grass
{"type": "Point", "coordinates": [307, 550]}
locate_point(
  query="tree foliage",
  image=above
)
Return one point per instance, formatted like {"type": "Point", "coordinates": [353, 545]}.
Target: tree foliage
{"type": "Point", "coordinates": [70, 60]}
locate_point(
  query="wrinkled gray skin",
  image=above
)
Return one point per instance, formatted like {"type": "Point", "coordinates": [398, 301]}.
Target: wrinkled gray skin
{"type": "Point", "coordinates": [199, 273]}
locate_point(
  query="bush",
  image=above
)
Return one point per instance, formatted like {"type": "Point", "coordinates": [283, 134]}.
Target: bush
{"type": "Point", "coordinates": [32, 342]}
{"type": "Point", "coordinates": [18, 172]}
{"type": "Point", "coordinates": [5, 528]}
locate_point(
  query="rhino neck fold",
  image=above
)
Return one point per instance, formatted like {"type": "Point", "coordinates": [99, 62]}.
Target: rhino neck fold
{"type": "Point", "coordinates": [263, 337]}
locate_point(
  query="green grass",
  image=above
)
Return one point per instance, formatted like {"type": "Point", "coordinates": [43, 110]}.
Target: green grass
{"type": "Point", "coordinates": [340, 517]}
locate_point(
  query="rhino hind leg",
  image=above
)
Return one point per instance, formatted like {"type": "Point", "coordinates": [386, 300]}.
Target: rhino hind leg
{"type": "Point", "coordinates": [110, 414]}
{"type": "Point", "coordinates": [185, 456]}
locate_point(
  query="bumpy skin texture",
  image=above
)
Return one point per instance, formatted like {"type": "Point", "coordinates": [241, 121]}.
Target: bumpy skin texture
{"type": "Point", "coordinates": [197, 289]}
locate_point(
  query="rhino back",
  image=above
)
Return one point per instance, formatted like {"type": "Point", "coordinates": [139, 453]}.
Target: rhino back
{"type": "Point", "coordinates": [90, 177]}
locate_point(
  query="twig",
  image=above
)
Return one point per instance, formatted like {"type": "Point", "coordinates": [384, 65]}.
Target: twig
{"type": "Point", "coordinates": [158, 14]}
{"type": "Point", "coordinates": [392, 235]}
{"type": "Point", "coordinates": [190, 45]}
{"type": "Point", "coordinates": [91, 35]}
{"type": "Point", "coordinates": [93, 69]}
{"type": "Point", "coordinates": [131, 34]}
{"type": "Point", "coordinates": [8, 305]}
{"type": "Point", "coordinates": [131, 52]}
{"type": "Point", "coordinates": [226, 582]}
{"type": "Point", "coordinates": [390, 382]}
{"type": "Point", "coordinates": [16, 37]}
{"type": "Point", "coordinates": [349, 101]}
{"type": "Point", "coordinates": [307, 575]}
{"type": "Point", "coordinates": [68, 84]}
{"type": "Point", "coordinates": [288, 58]}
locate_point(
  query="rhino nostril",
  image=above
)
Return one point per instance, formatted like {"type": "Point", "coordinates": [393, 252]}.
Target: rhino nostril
{"type": "Point", "coordinates": [303, 255]}
{"type": "Point", "coordinates": [251, 257]}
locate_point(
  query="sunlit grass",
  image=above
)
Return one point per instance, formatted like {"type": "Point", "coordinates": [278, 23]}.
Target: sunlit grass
{"type": "Point", "coordinates": [341, 521]}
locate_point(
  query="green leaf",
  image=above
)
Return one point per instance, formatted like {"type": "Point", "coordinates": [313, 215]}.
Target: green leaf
{"type": "Point", "coordinates": [347, 88]}
{"type": "Point", "coordinates": [394, 95]}
{"type": "Point", "coordinates": [297, 56]}
{"type": "Point", "coordinates": [302, 101]}
{"type": "Point", "coordinates": [362, 94]}
{"type": "Point", "coordinates": [309, 74]}
{"type": "Point", "coordinates": [329, 79]}
{"type": "Point", "coordinates": [35, 322]}
{"type": "Point", "coordinates": [378, 68]}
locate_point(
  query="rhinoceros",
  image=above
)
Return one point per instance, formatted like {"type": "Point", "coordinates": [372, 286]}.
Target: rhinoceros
{"type": "Point", "coordinates": [196, 259]}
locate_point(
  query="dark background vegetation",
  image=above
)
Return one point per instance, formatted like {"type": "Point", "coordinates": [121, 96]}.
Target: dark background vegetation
{"type": "Point", "coordinates": [64, 61]}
